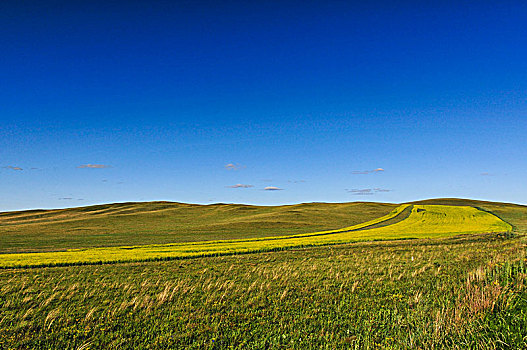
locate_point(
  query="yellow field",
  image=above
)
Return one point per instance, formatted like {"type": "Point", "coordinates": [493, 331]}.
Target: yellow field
{"type": "Point", "coordinates": [424, 221]}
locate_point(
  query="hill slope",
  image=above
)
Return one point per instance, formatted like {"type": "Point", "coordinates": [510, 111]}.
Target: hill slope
{"type": "Point", "coordinates": [167, 222]}
{"type": "Point", "coordinates": [514, 214]}
{"type": "Point", "coordinates": [122, 224]}
{"type": "Point", "coordinates": [424, 221]}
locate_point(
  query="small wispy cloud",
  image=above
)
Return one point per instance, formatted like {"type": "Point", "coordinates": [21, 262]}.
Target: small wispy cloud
{"type": "Point", "coordinates": [296, 181]}
{"type": "Point", "coordinates": [13, 167]}
{"type": "Point", "coordinates": [486, 174]}
{"type": "Point", "coordinates": [94, 166]}
{"type": "Point", "coordinates": [273, 188]}
{"type": "Point", "coordinates": [65, 199]}
{"type": "Point", "coordinates": [240, 186]}
{"type": "Point", "coordinates": [361, 192]}
{"type": "Point", "coordinates": [365, 172]}
{"type": "Point", "coordinates": [382, 190]}
{"type": "Point", "coordinates": [367, 191]}
{"type": "Point", "coordinates": [234, 166]}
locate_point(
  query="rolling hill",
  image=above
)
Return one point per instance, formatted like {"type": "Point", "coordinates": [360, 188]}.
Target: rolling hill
{"type": "Point", "coordinates": [460, 286]}
{"type": "Point", "coordinates": [407, 221]}
{"type": "Point", "coordinates": [141, 223]}
{"type": "Point", "coordinates": [167, 222]}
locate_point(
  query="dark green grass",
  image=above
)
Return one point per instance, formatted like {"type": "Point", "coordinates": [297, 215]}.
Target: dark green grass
{"type": "Point", "coordinates": [164, 222]}
{"type": "Point", "coordinates": [395, 295]}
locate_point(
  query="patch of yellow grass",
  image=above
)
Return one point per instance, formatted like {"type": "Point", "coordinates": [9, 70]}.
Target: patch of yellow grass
{"type": "Point", "coordinates": [425, 221]}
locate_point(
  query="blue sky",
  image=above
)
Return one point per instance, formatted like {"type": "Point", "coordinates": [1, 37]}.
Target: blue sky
{"type": "Point", "coordinates": [206, 102]}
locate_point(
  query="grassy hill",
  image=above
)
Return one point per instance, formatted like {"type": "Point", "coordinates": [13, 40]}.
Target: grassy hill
{"type": "Point", "coordinates": [140, 223]}
{"type": "Point", "coordinates": [466, 291]}
{"type": "Point", "coordinates": [166, 222]}
{"type": "Point", "coordinates": [405, 222]}
{"type": "Point", "coordinates": [514, 214]}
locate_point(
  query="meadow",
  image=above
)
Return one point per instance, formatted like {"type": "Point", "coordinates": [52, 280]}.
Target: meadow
{"type": "Point", "coordinates": [463, 292]}
{"type": "Point", "coordinates": [122, 224]}
{"type": "Point", "coordinates": [458, 286]}
{"type": "Point", "coordinates": [423, 221]}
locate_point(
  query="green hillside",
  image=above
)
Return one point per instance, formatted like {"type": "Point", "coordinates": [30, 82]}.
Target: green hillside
{"type": "Point", "coordinates": [414, 221]}
{"type": "Point", "coordinates": [514, 214]}
{"type": "Point", "coordinates": [462, 286]}
{"type": "Point", "coordinates": [146, 223]}
{"type": "Point", "coordinates": [166, 222]}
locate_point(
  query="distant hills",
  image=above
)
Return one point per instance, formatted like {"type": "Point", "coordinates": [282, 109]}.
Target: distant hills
{"type": "Point", "coordinates": [137, 223]}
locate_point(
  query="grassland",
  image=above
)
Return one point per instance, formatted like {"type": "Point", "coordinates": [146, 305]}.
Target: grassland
{"type": "Point", "coordinates": [453, 289]}
{"type": "Point", "coordinates": [464, 292]}
{"type": "Point", "coordinates": [424, 221]}
{"type": "Point", "coordinates": [164, 222]}
{"type": "Point", "coordinates": [512, 213]}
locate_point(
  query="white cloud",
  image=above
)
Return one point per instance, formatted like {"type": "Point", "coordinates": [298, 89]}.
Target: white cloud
{"type": "Point", "coordinates": [94, 166]}
{"type": "Point", "coordinates": [240, 186]}
{"type": "Point", "coordinates": [233, 166]}
{"type": "Point", "coordinates": [13, 167]}
{"type": "Point", "coordinates": [367, 191]}
{"type": "Point", "coordinates": [361, 192]}
{"type": "Point", "coordinates": [273, 188]}
{"type": "Point", "coordinates": [381, 190]}
{"type": "Point", "coordinates": [365, 172]}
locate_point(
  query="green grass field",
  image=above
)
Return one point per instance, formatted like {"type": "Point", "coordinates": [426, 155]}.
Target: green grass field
{"type": "Point", "coordinates": [424, 221]}
{"type": "Point", "coordinates": [464, 292]}
{"type": "Point", "coordinates": [448, 273]}
{"type": "Point", "coordinates": [164, 222]}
